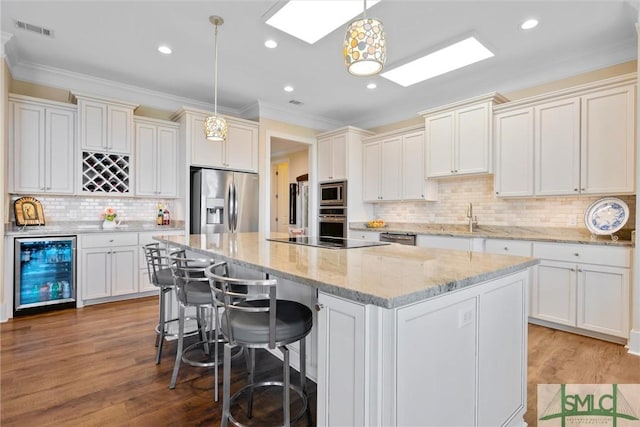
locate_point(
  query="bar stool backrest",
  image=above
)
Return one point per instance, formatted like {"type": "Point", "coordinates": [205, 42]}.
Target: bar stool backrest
{"type": "Point", "coordinates": [231, 292]}
{"type": "Point", "coordinates": [157, 260]}
{"type": "Point", "coordinates": [189, 274]}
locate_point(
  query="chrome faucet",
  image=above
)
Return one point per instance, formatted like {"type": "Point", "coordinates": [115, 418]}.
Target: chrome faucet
{"type": "Point", "coordinates": [473, 221]}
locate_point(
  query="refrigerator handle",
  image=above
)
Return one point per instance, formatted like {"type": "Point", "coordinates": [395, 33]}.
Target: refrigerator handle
{"type": "Point", "coordinates": [235, 207]}
{"type": "Point", "coordinates": [230, 208]}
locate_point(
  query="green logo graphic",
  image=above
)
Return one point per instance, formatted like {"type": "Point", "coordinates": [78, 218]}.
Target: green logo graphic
{"type": "Point", "coordinates": [605, 405]}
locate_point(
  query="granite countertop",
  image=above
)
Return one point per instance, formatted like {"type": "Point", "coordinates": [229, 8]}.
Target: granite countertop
{"type": "Point", "coordinates": [544, 234]}
{"type": "Point", "coordinates": [84, 227]}
{"type": "Point", "coordinates": [388, 276]}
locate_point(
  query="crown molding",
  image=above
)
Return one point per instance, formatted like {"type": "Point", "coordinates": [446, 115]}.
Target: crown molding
{"type": "Point", "coordinates": [5, 50]}
{"type": "Point", "coordinates": [290, 116]}
{"type": "Point", "coordinates": [77, 82]}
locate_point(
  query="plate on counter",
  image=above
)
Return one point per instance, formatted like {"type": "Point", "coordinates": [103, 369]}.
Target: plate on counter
{"type": "Point", "coordinates": [606, 216]}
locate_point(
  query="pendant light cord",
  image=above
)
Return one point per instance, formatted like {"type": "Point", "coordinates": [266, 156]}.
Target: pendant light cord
{"type": "Point", "coordinates": [215, 75]}
{"type": "Point", "coordinates": [364, 14]}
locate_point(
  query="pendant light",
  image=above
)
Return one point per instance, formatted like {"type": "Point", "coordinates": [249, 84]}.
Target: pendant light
{"type": "Point", "coordinates": [215, 127]}
{"type": "Point", "coordinates": [365, 49]}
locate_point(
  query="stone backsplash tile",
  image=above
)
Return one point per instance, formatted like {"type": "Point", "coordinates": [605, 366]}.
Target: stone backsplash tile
{"type": "Point", "coordinates": [76, 208]}
{"type": "Point", "coordinates": [456, 193]}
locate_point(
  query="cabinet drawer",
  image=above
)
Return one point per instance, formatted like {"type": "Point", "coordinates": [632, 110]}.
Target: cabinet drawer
{"type": "Point", "coordinates": [508, 247]}
{"type": "Point", "coordinates": [589, 254]}
{"type": "Point", "coordinates": [102, 240]}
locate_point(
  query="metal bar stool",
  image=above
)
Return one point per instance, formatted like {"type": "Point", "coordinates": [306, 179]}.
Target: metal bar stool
{"type": "Point", "coordinates": [256, 319]}
{"type": "Point", "coordinates": [192, 290]}
{"type": "Point", "coordinates": [161, 277]}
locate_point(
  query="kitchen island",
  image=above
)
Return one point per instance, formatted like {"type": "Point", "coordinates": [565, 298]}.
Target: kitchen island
{"type": "Point", "coordinates": [403, 335]}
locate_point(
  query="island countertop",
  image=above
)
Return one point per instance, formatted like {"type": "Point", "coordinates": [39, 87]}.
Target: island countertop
{"type": "Point", "coordinates": [387, 276]}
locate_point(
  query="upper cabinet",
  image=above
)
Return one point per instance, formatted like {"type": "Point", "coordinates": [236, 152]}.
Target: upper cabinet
{"type": "Point", "coordinates": [576, 141]}
{"type": "Point", "coordinates": [393, 167]}
{"type": "Point", "coordinates": [104, 124]}
{"type": "Point", "coordinates": [332, 157]}
{"type": "Point", "coordinates": [156, 157]}
{"type": "Point", "coordinates": [458, 137]}
{"type": "Point", "coordinates": [238, 152]}
{"type": "Point", "coordinates": [41, 146]}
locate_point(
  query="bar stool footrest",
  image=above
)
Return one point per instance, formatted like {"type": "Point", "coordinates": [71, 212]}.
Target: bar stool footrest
{"type": "Point", "coordinates": [211, 343]}
{"type": "Point", "coordinates": [298, 390]}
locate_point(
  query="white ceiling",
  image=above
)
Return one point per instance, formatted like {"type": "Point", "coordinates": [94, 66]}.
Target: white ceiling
{"type": "Point", "coordinates": [117, 40]}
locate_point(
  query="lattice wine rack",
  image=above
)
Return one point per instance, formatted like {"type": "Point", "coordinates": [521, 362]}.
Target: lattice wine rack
{"type": "Point", "coordinates": [105, 173]}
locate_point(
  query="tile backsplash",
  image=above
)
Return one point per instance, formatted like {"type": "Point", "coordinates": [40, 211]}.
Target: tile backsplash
{"type": "Point", "coordinates": [456, 193]}
{"type": "Point", "coordinates": [77, 208]}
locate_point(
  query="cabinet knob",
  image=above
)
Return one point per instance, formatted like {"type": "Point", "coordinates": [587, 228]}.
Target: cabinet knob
{"type": "Point", "coordinates": [575, 189]}
{"type": "Point", "coordinates": [573, 269]}
{"type": "Point", "coordinates": [582, 189]}
{"type": "Point", "coordinates": [456, 171]}
{"type": "Point", "coordinates": [497, 192]}
{"type": "Point", "coordinates": [576, 254]}
{"type": "Point", "coordinates": [579, 270]}
{"type": "Point", "coordinates": [111, 240]}
{"type": "Point", "coordinates": [319, 307]}
{"type": "Point", "coordinates": [506, 248]}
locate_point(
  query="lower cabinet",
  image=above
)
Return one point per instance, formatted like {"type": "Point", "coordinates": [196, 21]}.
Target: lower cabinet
{"type": "Point", "coordinates": [109, 265]}
{"type": "Point", "coordinates": [592, 295]}
{"type": "Point", "coordinates": [471, 244]}
{"type": "Point", "coordinates": [457, 359]}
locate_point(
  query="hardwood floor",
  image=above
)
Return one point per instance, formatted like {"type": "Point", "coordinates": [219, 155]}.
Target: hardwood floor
{"type": "Point", "coordinates": [95, 366]}
{"type": "Point", "coordinates": [557, 357]}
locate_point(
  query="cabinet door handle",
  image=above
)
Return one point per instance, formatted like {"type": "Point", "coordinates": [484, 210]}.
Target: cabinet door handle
{"type": "Point", "coordinates": [319, 307]}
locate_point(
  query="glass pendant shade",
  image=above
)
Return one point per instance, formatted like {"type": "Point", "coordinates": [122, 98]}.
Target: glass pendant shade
{"type": "Point", "coordinates": [215, 128]}
{"type": "Point", "coordinates": [365, 49]}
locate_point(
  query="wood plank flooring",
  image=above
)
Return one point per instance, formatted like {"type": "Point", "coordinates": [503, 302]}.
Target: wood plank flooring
{"type": "Point", "coordinates": [95, 366]}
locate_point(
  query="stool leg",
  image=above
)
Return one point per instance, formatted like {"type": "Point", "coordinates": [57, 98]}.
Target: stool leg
{"type": "Point", "coordinates": [202, 322]}
{"type": "Point", "coordinates": [250, 358]}
{"type": "Point", "coordinates": [286, 405]}
{"type": "Point", "coordinates": [176, 365]}
{"type": "Point", "coordinates": [215, 349]}
{"type": "Point", "coordinates": [303, 377]}
{"type": "Point", "coordinates": [226, 386]}
{"type": "Point", "coordinates": [161, 326]}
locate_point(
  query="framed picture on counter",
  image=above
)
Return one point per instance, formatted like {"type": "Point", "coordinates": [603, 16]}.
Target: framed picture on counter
{"type": "Point", "coordinates": [28, 211]}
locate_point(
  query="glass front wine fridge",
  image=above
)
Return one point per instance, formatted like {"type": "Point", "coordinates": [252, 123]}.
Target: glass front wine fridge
{"type": "Point", "coordinates": [45, 274]}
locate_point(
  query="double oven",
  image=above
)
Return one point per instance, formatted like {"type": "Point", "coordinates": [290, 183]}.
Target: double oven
{"type": "Point", "coordinates": [332, 212]}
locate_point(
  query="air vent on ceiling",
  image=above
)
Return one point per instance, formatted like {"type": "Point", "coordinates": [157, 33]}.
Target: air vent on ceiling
{"type": "Point", "coordinates": [295, 102]}
{"type": "Point", "coordinates": [34, 29]}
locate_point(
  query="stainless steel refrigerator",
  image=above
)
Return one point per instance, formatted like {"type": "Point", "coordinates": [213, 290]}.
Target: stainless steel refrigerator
{"type": "Point", "coordinates": [223, 201]}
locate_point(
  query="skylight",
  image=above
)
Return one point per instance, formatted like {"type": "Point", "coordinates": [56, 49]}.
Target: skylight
{"type": "Point", "coordinates": [457, 55]}
{"type": "Point", "coordinates": [311, 20]}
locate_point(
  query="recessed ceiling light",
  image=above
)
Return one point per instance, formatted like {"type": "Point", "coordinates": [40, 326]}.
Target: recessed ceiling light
{"type": "Point", "coordinates": [372, 86]}
{"type": "Point", "coordinates": [164, 49]}
{"type": "Point", "coordinates": [288, 88]}
{"type": "Point", "coordinates": [457, 55]}
{"type": "Point", "coordinates": [529, 24]}
{"type": "Point", "coordinates": [311, 20]}
{"type": "Point", "coordinates": [271, 44]}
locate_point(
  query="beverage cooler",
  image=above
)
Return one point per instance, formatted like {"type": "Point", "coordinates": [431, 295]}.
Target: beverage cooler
{"type": "Point", "coordinates": [44, 274]}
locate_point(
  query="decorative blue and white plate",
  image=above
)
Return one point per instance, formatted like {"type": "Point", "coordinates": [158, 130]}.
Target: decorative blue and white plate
{"type": "Point", "coordinates": [606, 216]}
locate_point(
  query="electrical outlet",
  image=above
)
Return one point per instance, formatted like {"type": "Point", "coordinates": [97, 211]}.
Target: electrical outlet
{"type": "Point", "coordinates": [465, 317]}
{"type": "Point", "coordinates": [573, 220]}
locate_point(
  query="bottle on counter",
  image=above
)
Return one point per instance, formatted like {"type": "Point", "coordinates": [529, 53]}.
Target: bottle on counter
{"type": "Point", "coordinates": [166, 216]}
{"type": "Point", "coordinates": [160, 217]}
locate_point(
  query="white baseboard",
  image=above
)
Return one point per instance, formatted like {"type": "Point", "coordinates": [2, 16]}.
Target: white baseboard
{"type": "Point", "coordinates": [634, 342]}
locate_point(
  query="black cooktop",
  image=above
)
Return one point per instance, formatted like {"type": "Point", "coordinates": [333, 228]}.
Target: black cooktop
{"type": "Point", "coordinates": [327, 242]}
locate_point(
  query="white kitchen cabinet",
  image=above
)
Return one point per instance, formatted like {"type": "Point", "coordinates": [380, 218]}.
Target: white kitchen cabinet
{"type": "Point", "coordinates": [584, 287]}
{"type": "Point", "coordinates": [238, 152]}
{"type": "Point", "coordinates": [332, 157]}
{"type": "Point", "coordinates": [458, 137]}
{"type": "Point", "coordinates": [608, 125]}
{"type": "Point", "coordinates": [42, 146]}
{"type": "Point", "coordinates": [109, 265]}
{"type": "Point", "coordinates": [373, 236]}
{"type": "Point", "coordinates": [156, 157]}
{"type": "Point", "coordinates": [514, 153]}
{"type": "Point", "coordinates": [341, 362]}
{"type": "Point", "coordinates": [472, 244]}
{"type": "Point", "coordinates": [105, 124]}
{"type": "Point", "coordinates": [584, 141]}
{"type": "Point", "coordinates": [393, 167]}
